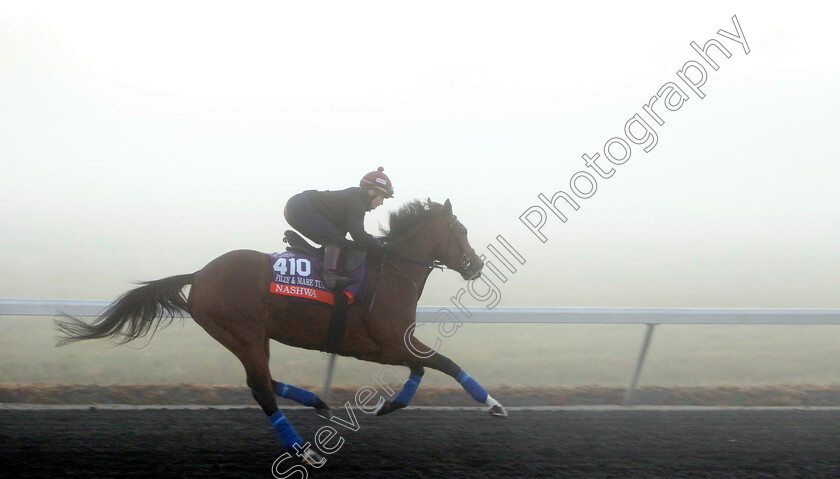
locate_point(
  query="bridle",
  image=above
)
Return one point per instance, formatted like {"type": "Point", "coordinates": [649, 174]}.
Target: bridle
{"type": "Point", "coordinates": [461, 267]}
{"type": "Point", "coordinates": [465, 263]}
{"type": "Point", "coordinates": [430, 266]}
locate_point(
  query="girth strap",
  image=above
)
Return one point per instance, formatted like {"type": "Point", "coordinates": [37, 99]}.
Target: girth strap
{"type": "Point", "coordinates": [338, 320]}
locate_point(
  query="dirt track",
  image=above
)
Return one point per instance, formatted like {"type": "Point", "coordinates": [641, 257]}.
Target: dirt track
{"type": "Point", "coordinates": [779, 395]}
{"type": "Point", "coordinates": [424, 443]}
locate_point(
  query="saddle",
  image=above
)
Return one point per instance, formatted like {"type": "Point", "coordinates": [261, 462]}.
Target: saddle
{"type": "Point", "coordinates": [352, 257]}
{"type": "Point", "coordinates": [352, 262]}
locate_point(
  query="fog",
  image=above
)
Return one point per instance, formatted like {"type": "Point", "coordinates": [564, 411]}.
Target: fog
{"type": "Point", "coordinates": [143, 140]}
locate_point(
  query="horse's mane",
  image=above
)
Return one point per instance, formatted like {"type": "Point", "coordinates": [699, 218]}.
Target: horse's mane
{"type": "Point", "coordinates": [408, 216]}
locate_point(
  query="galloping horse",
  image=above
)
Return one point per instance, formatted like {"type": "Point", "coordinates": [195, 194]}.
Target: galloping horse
{"type": "Point", "coordinates": [230, 299]}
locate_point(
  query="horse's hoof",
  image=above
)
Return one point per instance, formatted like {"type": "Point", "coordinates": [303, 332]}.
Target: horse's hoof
{"type": "Point", "coordinates": [312, 458]}
{"type": "Point", "coordinates": [389, 406]}
{"type": "Point", "coordinates": [496, 409]}
{"type": "Point", "coordinates": [322, 409]}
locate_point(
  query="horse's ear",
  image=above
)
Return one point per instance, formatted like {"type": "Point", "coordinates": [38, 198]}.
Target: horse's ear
{"type": "Point", "coordinates": [447, 207]}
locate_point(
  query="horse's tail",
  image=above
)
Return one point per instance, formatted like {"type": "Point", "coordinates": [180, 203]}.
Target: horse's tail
{"type": "Point", "coordinates": [133, 315]}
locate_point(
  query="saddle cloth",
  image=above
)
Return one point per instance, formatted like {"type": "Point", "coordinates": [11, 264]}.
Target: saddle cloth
{"type": "Point", "coordinates": [298, 275]}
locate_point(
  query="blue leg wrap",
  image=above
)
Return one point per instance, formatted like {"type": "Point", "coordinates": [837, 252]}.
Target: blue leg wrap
{"type": "Point", "coordinates": [476, 391]}
{"type": "Point", "coordinates": [299, 395]}
{"type": "Point", "coordinates": [284, 428]}
{"type": "Point", "coordinates": [408, 390]}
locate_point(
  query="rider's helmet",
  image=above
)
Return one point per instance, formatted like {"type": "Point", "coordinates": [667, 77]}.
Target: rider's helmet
{"type": "Point", "coordinates": [377, 180]}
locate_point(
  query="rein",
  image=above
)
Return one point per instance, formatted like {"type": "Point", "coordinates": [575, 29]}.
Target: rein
{"type": "Point", "coordinates": [434, 264]}
{"type": "Point", "coordinates": [417, 289]}
{"type": "Point", "coordinates": [430, 267]}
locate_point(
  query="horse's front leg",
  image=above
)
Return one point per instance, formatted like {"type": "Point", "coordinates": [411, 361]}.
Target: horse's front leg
{"type": "Point", "coordinates": [442, 363]}
{"type": "Point", "coordinates": [447, 366]}
{"type": "Point", "coordinates": [406, 394]}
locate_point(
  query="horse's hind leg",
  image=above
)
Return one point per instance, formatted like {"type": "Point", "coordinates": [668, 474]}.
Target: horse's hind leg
{"type": "Point", "coordinates": [302, 396]}
{"type": "Point", "coordinates": [298, 394]}
{"type": "Point", "coordinates": [245, 340]}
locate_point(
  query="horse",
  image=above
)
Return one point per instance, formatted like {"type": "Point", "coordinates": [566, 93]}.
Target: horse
{"type": "Point", "coordinates": [229, 298]}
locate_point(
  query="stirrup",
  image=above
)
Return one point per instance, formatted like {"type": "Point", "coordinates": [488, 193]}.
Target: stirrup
{"type": "Point", "coordinates": [337, 282]}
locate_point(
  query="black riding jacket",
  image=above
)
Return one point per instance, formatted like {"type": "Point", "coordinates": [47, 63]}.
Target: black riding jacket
{"type": "Point", "coordinates": [345, 209]}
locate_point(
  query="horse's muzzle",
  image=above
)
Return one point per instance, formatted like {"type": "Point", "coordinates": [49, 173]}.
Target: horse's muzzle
{"type": "Point", "coordinates": [472, 270]}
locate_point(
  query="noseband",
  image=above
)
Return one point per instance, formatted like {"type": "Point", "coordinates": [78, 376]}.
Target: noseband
{"type": "Point", "coordinates": [461, 268]}
{"type": "Point", "coordinates": [465, 263]}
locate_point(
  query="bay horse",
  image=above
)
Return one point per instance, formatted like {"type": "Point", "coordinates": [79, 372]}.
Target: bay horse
{"type": "Point", "coordinates": [230, 299]}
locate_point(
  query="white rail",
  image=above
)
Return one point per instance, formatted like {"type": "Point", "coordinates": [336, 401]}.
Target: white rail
{"type": "Point", "coordinates": [648, 316]}
{"type": "Point", "coordinates": [92, 308]}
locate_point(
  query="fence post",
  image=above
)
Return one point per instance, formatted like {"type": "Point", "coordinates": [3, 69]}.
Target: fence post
{"type": "Point", "coordinates": [641, 361]}
{"type": "Point", "coordinates": [325, 396]}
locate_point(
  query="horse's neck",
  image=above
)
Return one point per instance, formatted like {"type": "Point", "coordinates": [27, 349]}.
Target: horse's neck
{"type": "Point", "coordinates": [415, 249]}
{"type": "Point", "coordinates": [405, 268]}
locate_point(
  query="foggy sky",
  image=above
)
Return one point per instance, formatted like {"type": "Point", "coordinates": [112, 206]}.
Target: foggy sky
{"type": "Point", "coordinates": [143, 140]}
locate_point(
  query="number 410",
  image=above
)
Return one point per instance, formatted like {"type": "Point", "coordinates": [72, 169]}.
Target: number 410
{"type": "Point", "coordinates": [301, 265]}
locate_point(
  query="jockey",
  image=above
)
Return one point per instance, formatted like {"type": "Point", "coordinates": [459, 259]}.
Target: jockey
{"type": "Point", "coordinates": [326, 217]}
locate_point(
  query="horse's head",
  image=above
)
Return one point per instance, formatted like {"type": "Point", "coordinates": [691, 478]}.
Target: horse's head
{"type": "Point", "coordinates": [432, 228]}
{"type": "Point", "coordinates": [455, 251]}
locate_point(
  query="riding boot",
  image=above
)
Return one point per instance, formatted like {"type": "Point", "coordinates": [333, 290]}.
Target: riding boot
{"type": "Point", "coordinates": [331, 278]}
